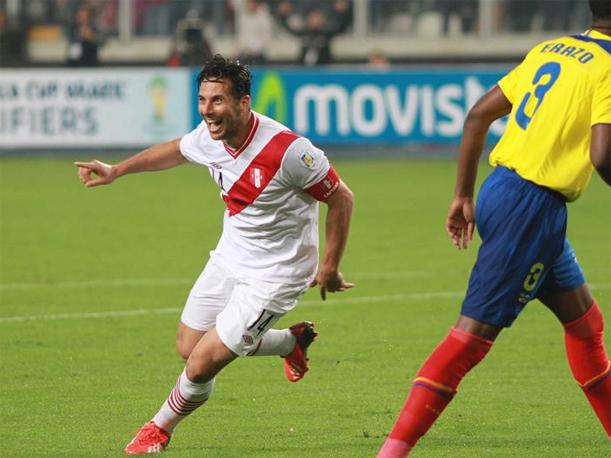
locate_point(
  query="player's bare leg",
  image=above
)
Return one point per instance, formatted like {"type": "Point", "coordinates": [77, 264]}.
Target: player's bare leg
{"type": "Point", "coordinates": [436, 382]}
{"type": "Point", "coordinates": [583, 325]}
{"type": "Point", "coordinates": [193, 388]}
{"type": "Point", "coordinates": [209, 356]}
{"type": "Point", "coordinates": [483, 330]}
{"type": "Point", "coordinates": [291, 344]}
{"type": "Point", "coordinates": [569, 305]}
{"type": "Point", "coordinates": [186, 340]}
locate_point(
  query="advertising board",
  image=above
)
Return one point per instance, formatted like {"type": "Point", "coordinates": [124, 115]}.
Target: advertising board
{"type": "Point", "coordinates": [347, 107]}
{"type": "Point", "coordinates": [101, 107]}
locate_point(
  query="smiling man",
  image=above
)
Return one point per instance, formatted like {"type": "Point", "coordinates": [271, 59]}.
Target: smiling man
{"type": "Point", "coordinates": [271, 180]}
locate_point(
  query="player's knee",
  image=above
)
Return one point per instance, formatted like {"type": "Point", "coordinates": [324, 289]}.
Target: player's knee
{"type": "Point", "coordinates": [201, 369]}
{"type": "Point", "coordinates": [590, 324]}
{"type": "Point", "coordinates": [184, 346]}
{"type": "Point", "coordinates": [456, 355]}
{"type": "Point", "coordinates": [186, 340]}
{"type": "Point", "coordinates": [183, 349]}
{"type": "Point", "coordinates": [206, 361]}
{"type": "Point", "coordinates": [196, 370]}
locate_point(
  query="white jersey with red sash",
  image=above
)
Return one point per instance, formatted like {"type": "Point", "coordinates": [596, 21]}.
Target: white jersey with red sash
{"type": "Point", "coordinates": [271, 186]}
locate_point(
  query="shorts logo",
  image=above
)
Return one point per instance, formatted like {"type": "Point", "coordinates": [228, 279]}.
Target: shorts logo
{"type": "Point", "coordinates": [256, 177]}
{"type": "Point", "coordinates": [307, 159]}
{"type": "Point", "coordinates": [247, 339]}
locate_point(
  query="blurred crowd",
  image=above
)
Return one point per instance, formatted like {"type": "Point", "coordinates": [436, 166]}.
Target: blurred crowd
{"type": "Point", "coordinates": [192, 26]}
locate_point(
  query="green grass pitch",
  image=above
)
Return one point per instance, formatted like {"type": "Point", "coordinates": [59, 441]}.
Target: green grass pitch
{"type": "Point", "coordinates": [79, 381]}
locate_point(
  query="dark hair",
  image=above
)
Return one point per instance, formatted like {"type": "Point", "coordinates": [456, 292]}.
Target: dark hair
{"type": "Point", "coordinates": [601, 9]}
{"type": "Point", "coordinates": [219, 68]}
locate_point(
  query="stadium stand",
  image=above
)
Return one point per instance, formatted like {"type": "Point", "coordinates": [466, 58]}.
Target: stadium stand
{"type": "Point", "coordinates": [143, 31]}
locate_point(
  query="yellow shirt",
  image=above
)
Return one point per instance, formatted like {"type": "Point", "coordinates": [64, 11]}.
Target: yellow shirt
{"type": "Point", "coordinates": [560, 90]}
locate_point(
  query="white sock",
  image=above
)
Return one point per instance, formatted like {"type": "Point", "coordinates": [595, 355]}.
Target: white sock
{"type": "Point", "coordinates": [184, 399]}
{"type": "Point", "coordinates": [278, 342]}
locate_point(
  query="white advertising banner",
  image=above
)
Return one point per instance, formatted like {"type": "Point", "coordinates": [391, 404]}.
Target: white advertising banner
{"type": "Point", "coordinates": [93, 107]}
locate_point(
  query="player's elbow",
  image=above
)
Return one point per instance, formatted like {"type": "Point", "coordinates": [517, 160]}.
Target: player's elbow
{"type": "Point", "coordinates": [347, 196]}
{"type": "Point", "coordinates": [600, 151]}
{"type": "Point", "coordinates": [602, 164]}
{"type": "Point", "coordinates": [478, 119]}
{"type": "Point", "coordinates": [342, 198]}
{"type": "Point", "coordinates": [489, 108]}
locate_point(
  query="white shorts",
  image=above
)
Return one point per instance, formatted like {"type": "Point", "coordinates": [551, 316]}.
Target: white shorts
{"type": "Point", "coordinates": [242, 309]}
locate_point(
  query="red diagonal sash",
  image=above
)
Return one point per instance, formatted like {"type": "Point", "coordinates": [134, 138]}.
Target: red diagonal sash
{"type": "Point", "coordinates": [259, 173]}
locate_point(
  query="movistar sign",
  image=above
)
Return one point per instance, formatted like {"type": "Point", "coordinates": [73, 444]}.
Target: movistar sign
{"type": "Point", "coordinates": [385, 107]}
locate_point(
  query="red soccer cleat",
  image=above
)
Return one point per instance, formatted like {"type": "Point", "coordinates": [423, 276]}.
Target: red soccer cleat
{"type": "Point", "coordinates": [150, 439]}
{"type": "Point", "coordinates": [296, 363]}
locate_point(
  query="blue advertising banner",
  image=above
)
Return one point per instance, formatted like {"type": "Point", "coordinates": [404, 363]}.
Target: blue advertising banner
{"type": "Point", "coordinates": [352, 106]}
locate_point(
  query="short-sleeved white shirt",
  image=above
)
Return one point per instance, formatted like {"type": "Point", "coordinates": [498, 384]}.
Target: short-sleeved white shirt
{"type": "Point", "coordinates": [271, 186]}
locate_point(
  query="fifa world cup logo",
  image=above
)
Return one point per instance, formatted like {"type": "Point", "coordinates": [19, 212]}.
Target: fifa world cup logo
{"type": "Point", "coordinates": [158, 93]}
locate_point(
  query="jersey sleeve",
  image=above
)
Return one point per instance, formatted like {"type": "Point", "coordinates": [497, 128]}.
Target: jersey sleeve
{"type": "Point", "coordinates": [601, 101]}
{"type": "Point", "coordinates": [192, 144]}
{"type": "Point", "coordinates": [308, 168]}
{"type": "Point", "coordinates": [510, 83]}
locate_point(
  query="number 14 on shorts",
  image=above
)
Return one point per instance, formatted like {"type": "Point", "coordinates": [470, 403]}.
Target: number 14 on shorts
{"type": "Point", "coordinates": [265, 321]}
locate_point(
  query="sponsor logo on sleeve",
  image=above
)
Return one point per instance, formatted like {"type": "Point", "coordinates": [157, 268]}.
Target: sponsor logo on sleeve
{"type": "Point", "coordinates": [307, 159]}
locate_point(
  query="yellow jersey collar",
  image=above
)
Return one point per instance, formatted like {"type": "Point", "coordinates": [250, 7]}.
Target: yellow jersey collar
{"type": "Point", "coordinates": [597, 35]}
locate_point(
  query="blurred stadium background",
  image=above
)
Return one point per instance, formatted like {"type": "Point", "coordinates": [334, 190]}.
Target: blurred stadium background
{"type": "Point", "coordinates": [92, 281]}
{"type": "Point", "coordinates": [346, 73]}
{"type": "Point", "coordinates": [132, 32]}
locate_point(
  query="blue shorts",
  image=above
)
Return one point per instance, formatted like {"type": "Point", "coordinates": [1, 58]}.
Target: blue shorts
{"type": "Point", "coordinates": [524, 249]}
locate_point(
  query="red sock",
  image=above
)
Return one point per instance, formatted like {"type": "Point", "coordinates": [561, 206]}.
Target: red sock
{"type": "Point", "coordinates": [436, 383]}
{"type": "Point", "coordinates": [589, 362]}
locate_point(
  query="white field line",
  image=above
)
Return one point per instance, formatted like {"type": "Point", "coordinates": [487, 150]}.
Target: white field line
{"type": "Point", "coordinates": [88, 315]}
{"type": "Point", "coordinates": [97, 283]}
{"type": "Point", "coordinates": [170, 311]}
{"type": "Point", "coordinates": [178, 281]}
{"type": "Point", "coordinates": [137, 282]}
{"type": "Point", "coordinates": [175, 310]}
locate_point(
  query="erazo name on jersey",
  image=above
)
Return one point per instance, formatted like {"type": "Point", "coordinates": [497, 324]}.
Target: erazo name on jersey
{"type": "Point", "coordinates": [568, 51]}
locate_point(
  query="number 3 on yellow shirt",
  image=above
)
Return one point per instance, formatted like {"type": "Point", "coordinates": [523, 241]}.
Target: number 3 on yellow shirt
{"type": "Point", "coordinates": [553, 70]}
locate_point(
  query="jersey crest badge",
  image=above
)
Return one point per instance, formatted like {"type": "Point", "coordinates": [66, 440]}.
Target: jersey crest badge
{"type": "Point", "coordinates": [256, 177]}
{"type": "Point", "coordinates": [307, 159]}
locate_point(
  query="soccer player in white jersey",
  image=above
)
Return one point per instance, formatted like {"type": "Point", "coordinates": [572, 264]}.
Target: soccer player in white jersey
{"type": "Point", "coordinates": [271, 180]}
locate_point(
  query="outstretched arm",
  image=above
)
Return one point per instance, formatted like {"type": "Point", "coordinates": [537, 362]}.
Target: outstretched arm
{"type": "Point", "coordinates": [600, 150]}
{"type": "Point", "coordinates": [339, 213]}
{"type": "Point", "coordinates": [461, 215]}
{"type": "Point", "coordinates": [158, 157]}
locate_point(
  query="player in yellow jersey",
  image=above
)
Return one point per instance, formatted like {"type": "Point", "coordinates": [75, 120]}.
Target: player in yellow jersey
{"type": "Point", "coordinates": [559, 129]}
